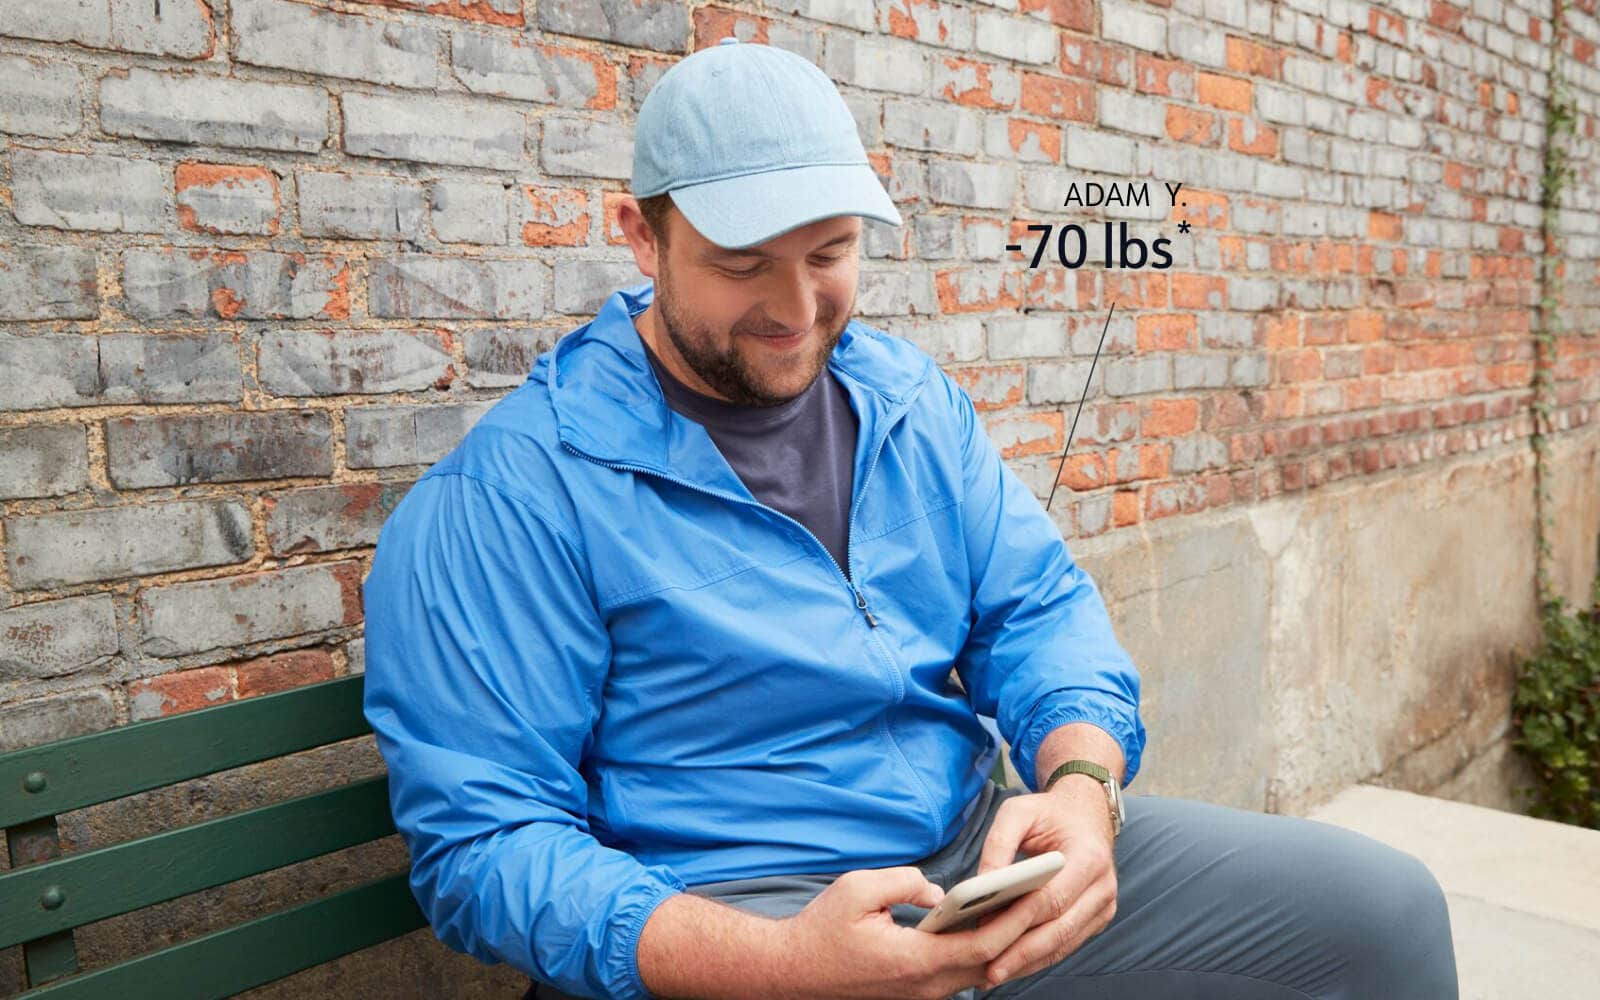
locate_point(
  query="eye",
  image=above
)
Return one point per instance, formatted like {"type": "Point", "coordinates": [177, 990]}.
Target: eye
{"type": "Point", "coordinates": [830, 261]}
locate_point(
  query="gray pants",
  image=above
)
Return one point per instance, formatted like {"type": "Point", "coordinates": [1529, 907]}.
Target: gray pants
{"type": "Point", "coordinates": [1213, 903]}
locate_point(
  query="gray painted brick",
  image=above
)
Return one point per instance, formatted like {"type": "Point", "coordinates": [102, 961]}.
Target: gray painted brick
{"type": "Point", "coordinates": [72, 191]}
{"type": "Point", "coordinates": [43, 460]}
{"type": "Point", "coordinates": [1248, 370]}
{"type": "Point", "coordinates": [37, 373]}
{"type": "Point", "coordinates": [414, 286]}
{"type": "Point", "coordinates": [56, 717]}
{"type": "Point", "coordinates": [360, 206]}
{"type": "Point", "coordinates": [212, 614]}
{"type": "Point", "coordinates": [1199, 371]}
{"type": "Point", "coordinates": [662, 25]}
{"type": "Point", "coordinates": [586, 147]}
{"type": "Point", "coordinates": [157, 284]}
{"type": "Point", "coordinates": [1133, 113]}
{"type": "Point", "coordinates": [1253, 293]}
{"type": "Point", "coordinates": [218, 447]}
{"type": "Point", "coordinates": [468, 211]}
{"type": "Point", "coordinates": [522, 69]}
{"type": "Point", "coordinates": [39, 97]}
{"type": "Point", "coordinates": [1027, 337]}
{"type": "Point", "coordinates": [325, 362]}
{"type": "Point", "coordinates": [355, 652]}
{"type": "Point", "coordinates": [1063, 382]}
{"type": "Point", "coordinates": [1203, 44]}
{"type": "Point", "coordinates": [946, 340]}
{"type": "Point", "coordinates": [357, 47]}
{"type": "Point", "coordinates": [1099, 151]}
{"type": "Point", "coordinates": [848, 13]}
{"type": "Point", "coordinates": [581, 287]}
{"type": "Point", "coordinates": [434, 130]}
{"type": "Point", "coordinates": [45, 551]}
{"type": "Point", "coordinates": [174, 29]}
{"type": "Point", "coordinates": [40, 282]}
{"type": "Point", "coordinates": [945, 128]}
{"type": "Point", "coordinates": [978, 185]}
{"type": "Point", "coordinates": [895, 291]}
{"type": "Point", "coordinates": [1134, 25]}
{"type": "Point", "coordinates": [895, 65]}
{"type": "Point", "coordinates": [1197, 452]}
{"type": "Point", "coordinates": [52, 638]}
{"type": "Point", "coordinates": [1218, 329]}
{"type": "Point", "coordinates": [938, 237]}
{"type": "Point", "coordinates": [166, 368]}
{"type": "Point", "coordinates": [1020, 39]}
{"type": "Point", "coordinates": [380, 436]}
{"type": "Point", "coordinates": [502, 356]}
{"type": "Point", "coordinates": [1138, 375]}
{"type": "Point", "coordinates": [171, 29]}
{"type": "Point", "coordinates": [214, 111]}
{"type": "Point", "coordinates": [323, 518]}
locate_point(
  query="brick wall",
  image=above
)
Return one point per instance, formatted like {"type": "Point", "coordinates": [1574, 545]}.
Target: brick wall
{"type": "Point", "coordinates": [261, 262]}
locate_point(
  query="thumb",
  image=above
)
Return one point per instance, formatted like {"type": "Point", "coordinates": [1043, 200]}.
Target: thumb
{"type": "Point", "coordinates": [904, 884]}
{"type": "Point", "coordinates": [1003, 841]}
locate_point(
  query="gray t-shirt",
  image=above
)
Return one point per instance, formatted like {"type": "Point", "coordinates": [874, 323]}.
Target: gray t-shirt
{"type": "Point", "coordinates": [798, 457]}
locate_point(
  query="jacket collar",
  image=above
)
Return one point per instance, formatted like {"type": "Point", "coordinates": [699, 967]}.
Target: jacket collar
{"type": "Point", "coordinates": [609, 405]}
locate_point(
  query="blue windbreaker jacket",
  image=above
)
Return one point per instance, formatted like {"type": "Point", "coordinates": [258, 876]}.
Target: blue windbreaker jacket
{"type": "Point", "coordinates": [600, 670]}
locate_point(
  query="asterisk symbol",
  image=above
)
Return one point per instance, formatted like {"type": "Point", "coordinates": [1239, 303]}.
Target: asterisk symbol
{"type": "Point", "coordinates": [1183, 227]}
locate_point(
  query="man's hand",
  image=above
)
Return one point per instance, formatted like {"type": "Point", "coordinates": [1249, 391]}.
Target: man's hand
{"type": "Point", "coordinates": [1080, 901]}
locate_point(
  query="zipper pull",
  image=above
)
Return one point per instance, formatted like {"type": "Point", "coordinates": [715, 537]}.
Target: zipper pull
{"type": "Point", "coordinates": [861, 602]}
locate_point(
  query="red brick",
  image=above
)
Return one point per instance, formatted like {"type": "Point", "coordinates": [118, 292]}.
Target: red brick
{"type": "Point", "coordinates": [181, 691]}
{"type": "Point", "coordinates": [1051, 97]}
{"type": "Point", "coordinates": [1188, 125]}
{"type": "Point", "coordinates": [283, 671]}
{"type": "Point", "coordinates": [1226, 92]}
{"type": "Point", "coordinates": [560, 217]}
{"type": "Point", "coordinates": [1253, 59]}
{"type": "Point", "coordinates": [1165, 332]}
{"type": "Point", "coordinates": [1169, 417]}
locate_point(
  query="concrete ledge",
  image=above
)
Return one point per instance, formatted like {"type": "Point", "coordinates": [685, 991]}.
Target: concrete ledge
{"type": "Point", "coordinates": [1524, 893]}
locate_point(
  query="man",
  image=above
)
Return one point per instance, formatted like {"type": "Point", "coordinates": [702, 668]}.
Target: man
{"type": "Point", "coordinates": [659, 656]}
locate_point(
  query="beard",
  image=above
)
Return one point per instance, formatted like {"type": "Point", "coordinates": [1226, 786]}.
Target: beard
{"type": "Point", "coordinates": [727, 371]}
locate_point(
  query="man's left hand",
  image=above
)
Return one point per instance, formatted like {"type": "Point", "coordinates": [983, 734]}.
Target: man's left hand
{"type": "Point", "coordinates": [1080, 901]}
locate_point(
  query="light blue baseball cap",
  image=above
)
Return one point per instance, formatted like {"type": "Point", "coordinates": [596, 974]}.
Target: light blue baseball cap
{"type": "Point", "coordinates": [751, 141]}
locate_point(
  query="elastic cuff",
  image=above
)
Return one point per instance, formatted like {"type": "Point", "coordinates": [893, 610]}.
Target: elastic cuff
{"type": "Point", "coordinates": [1115, 726]}
{"type": "Point", "coordinates": [659, 892]}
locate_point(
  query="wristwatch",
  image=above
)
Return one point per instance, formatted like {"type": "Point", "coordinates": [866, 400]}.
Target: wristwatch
{"type": "Point", "coordinates": [1100, 774]}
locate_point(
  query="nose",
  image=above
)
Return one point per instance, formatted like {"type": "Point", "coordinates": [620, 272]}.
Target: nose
{"type": "Point", "coordinates": [792, 304]}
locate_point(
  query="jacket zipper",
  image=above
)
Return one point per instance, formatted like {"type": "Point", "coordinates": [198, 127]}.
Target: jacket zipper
{"type": "Point", "coordinates": [861, 601]}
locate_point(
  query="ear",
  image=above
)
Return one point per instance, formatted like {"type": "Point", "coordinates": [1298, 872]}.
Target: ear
{"type": "Point", "coordinates": [640, 237]}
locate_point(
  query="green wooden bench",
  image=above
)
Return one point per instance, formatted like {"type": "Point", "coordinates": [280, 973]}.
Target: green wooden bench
{"type": "Point", "coordinates": [45, 894]}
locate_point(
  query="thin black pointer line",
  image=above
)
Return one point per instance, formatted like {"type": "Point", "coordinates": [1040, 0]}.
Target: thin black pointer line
{"type": "Point", "coordinates": [1085, 395]}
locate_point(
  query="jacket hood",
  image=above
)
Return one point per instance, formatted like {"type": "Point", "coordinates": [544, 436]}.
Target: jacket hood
{"type": "Point", "coordinates": [608, 403]}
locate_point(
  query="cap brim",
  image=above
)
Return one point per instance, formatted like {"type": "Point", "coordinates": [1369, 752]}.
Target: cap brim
{"type": "Point", "coordinates": [738, 212]}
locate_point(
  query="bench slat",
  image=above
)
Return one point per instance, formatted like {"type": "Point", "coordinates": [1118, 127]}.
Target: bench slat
{"type": "Point", "coordinates": [121, 877]}
{"type": "Point", "coordinates": [87, 770]}
{"type": "Point", "coordinates": [230, 961]}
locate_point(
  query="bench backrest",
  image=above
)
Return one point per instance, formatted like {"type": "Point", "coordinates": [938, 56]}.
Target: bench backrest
{"type": "Point", "coordinates": [46, 895]}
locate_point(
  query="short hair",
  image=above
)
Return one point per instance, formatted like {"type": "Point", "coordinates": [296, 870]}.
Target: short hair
{"type": "Point", "coordinates": [655, 210]}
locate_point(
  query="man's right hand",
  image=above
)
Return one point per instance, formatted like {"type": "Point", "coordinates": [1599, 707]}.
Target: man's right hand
{"type": "Point", "coordinates": [845, 944]}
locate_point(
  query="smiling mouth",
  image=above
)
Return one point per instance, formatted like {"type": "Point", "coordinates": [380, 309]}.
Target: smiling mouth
{"type": "Point", "coordinates": [784, 340]}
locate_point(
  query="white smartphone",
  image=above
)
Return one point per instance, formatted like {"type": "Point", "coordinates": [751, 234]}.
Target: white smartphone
{"type": "Point", "coordinates": [972, 898]}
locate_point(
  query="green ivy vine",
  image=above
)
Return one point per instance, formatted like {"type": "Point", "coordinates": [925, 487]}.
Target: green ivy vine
{"type": "Point", "coordinates": [1556, 707]}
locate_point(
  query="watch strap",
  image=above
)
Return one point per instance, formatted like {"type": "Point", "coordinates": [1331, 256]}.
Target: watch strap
{"type": "Point", "coordinates": [1100, 774]}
